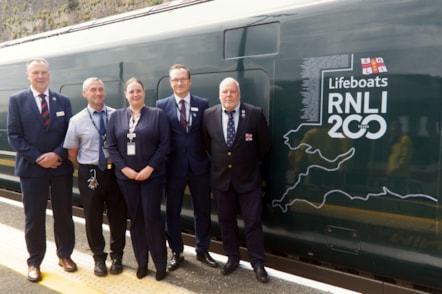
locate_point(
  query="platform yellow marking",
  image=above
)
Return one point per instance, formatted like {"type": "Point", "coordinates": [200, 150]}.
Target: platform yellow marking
{"type": "Point", "coordinates": [13, 254]}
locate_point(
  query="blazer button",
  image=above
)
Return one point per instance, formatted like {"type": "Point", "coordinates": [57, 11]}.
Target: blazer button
{"type": "Point", "coordinates": [229, 166]}
{"type": "Point", "coordinates": [229, 153]}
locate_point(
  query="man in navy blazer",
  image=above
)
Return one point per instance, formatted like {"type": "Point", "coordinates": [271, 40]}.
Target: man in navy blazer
{"type": "Point", "coordinates": [237, 138]}
{"type": "Point", "coordinates": [42, 165]}
{"type": "Point", "coordinates": [187, 165]}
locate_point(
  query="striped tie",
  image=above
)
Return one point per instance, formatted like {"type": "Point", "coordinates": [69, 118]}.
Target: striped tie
{"type": "Point", "coordinates": [44, 110]}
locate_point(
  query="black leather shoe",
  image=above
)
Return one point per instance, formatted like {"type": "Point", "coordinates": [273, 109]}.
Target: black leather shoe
{"type": "Point", "coordinates": [261, 274]}
{"type": "Point", "coordinates": [142, 272]}
{"type": "Point", "coordinates": [175, 261]}
{"type": "Point", "coordinates": [116, 267]}
{"type": "Point", "coordinates": [229, 267]}
{"type": "Point", "coordinates": [205, 258]}
{"type": "Point", "coordinates": [34, 274]}
{"type": "Point", "coordinates": [161, 274]}
{"type": "Point", "coordinates": [100, 269]}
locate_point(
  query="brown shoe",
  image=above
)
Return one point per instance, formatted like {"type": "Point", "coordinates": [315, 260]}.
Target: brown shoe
{"type": "Point", "coordinates": [34, 274]}
{"type": "Point", "coordinates": [67, 264]}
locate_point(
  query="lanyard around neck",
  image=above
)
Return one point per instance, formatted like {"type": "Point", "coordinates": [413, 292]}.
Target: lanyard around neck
{"type": "Point", "coordinates": [133, 122]}
{"type": "Point", "coordinates": [95, 125]}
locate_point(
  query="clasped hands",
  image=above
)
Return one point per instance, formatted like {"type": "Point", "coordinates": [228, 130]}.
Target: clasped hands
{"type": "Point", "coordinates": [142, 175]}
{"type": "Point", "coordinates": [49, 160]}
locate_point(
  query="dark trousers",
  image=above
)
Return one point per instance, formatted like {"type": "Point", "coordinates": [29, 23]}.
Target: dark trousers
{"type": "Point", "coordinates": [36, 193]}
{"type": "Point", "coordinates": [106, 197]}
{"type": "Point", "coordinates": [250, 204]}
{"type": "Point", "coordinates": [147, 230]}
{"type": "Point", "coordinates": [200, 193]}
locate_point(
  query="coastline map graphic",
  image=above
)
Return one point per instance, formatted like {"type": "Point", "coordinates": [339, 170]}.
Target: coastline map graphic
{"type": "Point", "coordinates": [313, 74]}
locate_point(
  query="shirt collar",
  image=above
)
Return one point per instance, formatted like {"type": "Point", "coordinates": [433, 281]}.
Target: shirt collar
{"type": "Point", "coordinates": [36, 93]}
{"type": "Point", "coordinates": [236, 108]}
{"type": "Point", "coordinates": [92, 110]}
{"type": "Point", "coordinates": [178, 99]}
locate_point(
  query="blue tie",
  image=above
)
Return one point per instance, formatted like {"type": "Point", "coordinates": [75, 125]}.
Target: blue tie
{"type": "Point", "coordinates": [102, 131]}
{"type": "Point", "coordinates": [230, 128]}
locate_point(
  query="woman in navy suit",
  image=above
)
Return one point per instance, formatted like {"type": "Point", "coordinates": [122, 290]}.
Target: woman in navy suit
{"type": "Point", "coordinates": [138, 139]}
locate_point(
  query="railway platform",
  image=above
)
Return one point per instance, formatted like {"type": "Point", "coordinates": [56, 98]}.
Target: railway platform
{"type": "Point", "coordinates": [191, 277]}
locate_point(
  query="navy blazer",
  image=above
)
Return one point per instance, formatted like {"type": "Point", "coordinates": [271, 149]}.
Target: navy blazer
{"type": "Point", "coordinates": [30, 138]}
{"type": "Point", "coordinates": [152, 141]}
{"type": "Point", "coordinates": [238, 166]}
{"type": "Point", "coordinates": [187, 148]}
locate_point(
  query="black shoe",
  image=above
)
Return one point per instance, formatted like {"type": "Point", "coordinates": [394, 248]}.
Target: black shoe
{"type": "Point", "coordinates": [142, 272]}
{"type": "Point", "coordinates": [116, 267]}
{"type": "Point", "coordinates": [261, 274]}
{"type": "Point", "coordinates": [229, 267]}
{"type": "Point", "coordinates": [100, 269]}
{"type": "Point", "coordinates": [175, 261]}
{"type": "Point", "coordinates": [205, 258]}
{"type": "Point", "coordinates": [161, 274]}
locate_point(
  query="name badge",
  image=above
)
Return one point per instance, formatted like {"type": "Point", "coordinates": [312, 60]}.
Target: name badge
{"type": "Point", "coordinates": [106, 152]}
{"type": "Point", "coordinates": [59, 113]}
{"type": "Point", "coordinates": [130, 148]}
{"type": "Point", "coordinates": [194, 109]}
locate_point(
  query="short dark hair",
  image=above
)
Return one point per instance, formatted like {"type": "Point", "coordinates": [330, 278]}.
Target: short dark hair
{"type": "Point", "coordinates": [180, 66]}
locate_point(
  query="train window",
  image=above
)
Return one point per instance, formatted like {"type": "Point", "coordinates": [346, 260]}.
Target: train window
{"type": "Point", "coordinates": [114, 95]}
{"type": "Point", "coordinates": [250, 41]}
{"type": "Point", "coordinates": [254, 84]}
{"type": "Point", "coordinates": [4, 104]}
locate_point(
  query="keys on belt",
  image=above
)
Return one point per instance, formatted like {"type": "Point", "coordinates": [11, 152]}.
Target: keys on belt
{"type": "Point", "coordinates": [92, 181]}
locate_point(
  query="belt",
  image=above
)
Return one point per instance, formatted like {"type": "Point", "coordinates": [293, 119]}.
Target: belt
{"type": "Point", "coordinates": [94, 166]}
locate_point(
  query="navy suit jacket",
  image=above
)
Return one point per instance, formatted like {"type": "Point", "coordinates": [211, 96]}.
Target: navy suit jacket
{"type": "Point", "coordinates": [152, 141]}
{"type": "Point", "coordinates": [30, 138]}
{"type": "Point", "coordinates": [188, 150]}
{"type": "Point", "coordinates": [238, 166]}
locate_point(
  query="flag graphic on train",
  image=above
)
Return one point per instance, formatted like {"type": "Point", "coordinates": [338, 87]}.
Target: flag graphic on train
{"type": "Point", "coordinates": [373, 65]}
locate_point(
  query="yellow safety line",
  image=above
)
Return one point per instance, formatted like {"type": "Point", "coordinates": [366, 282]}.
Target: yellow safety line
{"type": "Point", "coordinates": [13, 254]}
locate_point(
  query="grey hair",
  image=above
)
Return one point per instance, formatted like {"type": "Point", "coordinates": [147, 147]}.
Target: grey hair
{"type": "Point", "coordinates": [228, 80]}
{"type": "Point", "coordinates": [36, 60]}
{"type": "Point", "coordinates": [88, 81]}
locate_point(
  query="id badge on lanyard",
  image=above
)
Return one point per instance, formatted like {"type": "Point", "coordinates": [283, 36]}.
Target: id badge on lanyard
{"type": "Point", "coordinates": [106, 151]}
{"type": "Point", "coordinates": [132, 135]}
{"type": "Point", "coordinates": [130, 144]}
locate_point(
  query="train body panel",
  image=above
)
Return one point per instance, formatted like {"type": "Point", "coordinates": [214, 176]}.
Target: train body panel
{"type": "Point", "coordinates": [352, 91]}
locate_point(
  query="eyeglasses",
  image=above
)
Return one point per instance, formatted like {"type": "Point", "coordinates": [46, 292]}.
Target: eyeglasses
{"type": "Point", "coordinates": [175, 81]}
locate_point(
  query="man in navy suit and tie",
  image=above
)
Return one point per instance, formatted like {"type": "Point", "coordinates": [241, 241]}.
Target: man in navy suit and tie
{"type": "Point", "coordinates": [238, 138]}
{"type": "Point", "coordinates": [187, 165]}
{"type": "Point", "coordinates": [37, 122]}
